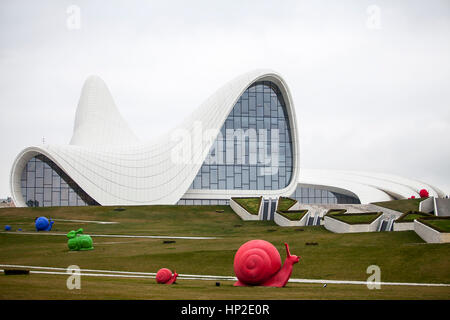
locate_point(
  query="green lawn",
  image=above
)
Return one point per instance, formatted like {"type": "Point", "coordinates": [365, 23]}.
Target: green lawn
{"type": "Point", "coordinates": [249, 204]}
{"type": "Point", "coordinates": [357, 218]}
{"type": "Point", "coordinates": [440, 224]}
{"type": "Point", "coordinates": [411, 216]}
{"type": "Point", "coordinates": [293, 215]}
{"type": "Point", "coordinates": [404, 205]}
{"type": "Point", "coordinates": [402, 256]}
{"type": "Point", "coordinates": [285, 203]}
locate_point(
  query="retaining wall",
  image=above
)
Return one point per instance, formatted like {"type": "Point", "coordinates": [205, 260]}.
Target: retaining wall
{"type": "Point", "coordinates": [430, 235]}
{"type": "Point", "coordinates": [338, 226]}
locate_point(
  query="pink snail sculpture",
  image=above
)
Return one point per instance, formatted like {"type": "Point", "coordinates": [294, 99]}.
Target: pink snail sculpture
{"type": "Point", "coordinates": [258, 263]}
{"type": "Point", "coordinates": [165, 276]}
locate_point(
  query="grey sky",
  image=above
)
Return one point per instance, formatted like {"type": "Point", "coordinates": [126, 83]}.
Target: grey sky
{"type": "Point", "coordinates": [366, 99]}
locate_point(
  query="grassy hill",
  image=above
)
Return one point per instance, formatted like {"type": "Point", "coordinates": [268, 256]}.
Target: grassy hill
{"type": "Point", "coordinates": [402, 256]}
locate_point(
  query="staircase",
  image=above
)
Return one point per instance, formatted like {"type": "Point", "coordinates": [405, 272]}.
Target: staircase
{"type": "Point", "coordinates": [268, 210]}
{"type": "Point", "coordinates": [387, 224]}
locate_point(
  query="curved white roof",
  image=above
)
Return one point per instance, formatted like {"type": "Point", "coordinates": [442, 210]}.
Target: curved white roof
{"type": "Point", "coordinates": [107, 161]}
{"type": "Point", "coordinates": [97, 120]}
{"type": "Point", "coordinates": [111, 165]}
{"type": "Point", "coordinates": [368, 187]}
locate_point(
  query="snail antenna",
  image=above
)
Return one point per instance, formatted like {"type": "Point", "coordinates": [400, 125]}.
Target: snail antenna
{"type": "Point", "coordinates": [288, 253]}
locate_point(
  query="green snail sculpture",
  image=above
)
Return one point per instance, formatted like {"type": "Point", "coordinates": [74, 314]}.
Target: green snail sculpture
{"type": "Point", "coordinates": [78, 241]}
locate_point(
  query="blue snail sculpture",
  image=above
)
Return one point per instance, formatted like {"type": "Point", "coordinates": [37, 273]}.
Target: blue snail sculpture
{"type": "Point", "coordinates": [43, 224]}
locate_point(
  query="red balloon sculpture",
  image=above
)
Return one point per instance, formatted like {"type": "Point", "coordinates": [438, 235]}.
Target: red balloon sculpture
{"type": "Point", "coordinates": [165, 276]}
{"type": "Point", "coordinates": [423, 193]}
{"type": "Point", "coordinates": [258, 263]}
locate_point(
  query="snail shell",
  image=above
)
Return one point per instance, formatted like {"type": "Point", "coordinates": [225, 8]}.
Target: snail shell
{"type": "Point", "coordinates": [163, 275]}
{"type": "Point", "coordinates": [256, 261]}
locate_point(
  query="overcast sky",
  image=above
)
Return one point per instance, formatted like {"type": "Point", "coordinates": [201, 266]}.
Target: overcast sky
{"type": "Point", "coordinates": [370, 79]}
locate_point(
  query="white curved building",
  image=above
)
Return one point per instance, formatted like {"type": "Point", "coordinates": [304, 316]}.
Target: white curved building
{"type": "Point", "coordinates": [242, 141]}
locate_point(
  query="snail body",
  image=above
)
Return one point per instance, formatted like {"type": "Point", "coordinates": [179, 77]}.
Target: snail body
{"type": "Point", "coordinates": [258, 263]}
{"type": "Point", "coordinates": [165, 276]}
{"type": "Point", "coordinates": [43, 224]}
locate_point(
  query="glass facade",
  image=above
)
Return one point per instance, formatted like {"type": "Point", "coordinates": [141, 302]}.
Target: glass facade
{"type": "Point", "coordinates": [203, 202]}
{"type": "Point", "coordinates": [44, 184]}
{"type": "Point", "coordinates": [321, 196]}
{"type": "Point", "coordinates": [253, 150]}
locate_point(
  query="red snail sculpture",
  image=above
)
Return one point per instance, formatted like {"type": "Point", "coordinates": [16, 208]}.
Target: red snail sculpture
{"type": "Point", "coordinates": [258, 263]}
{"type": "Point", "coordinates": [424, 193]}
{"type": "Point", "coordinates": [165, 276]}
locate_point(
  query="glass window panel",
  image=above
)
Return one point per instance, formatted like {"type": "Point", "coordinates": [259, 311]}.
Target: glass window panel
{"type": "Point", "coordinates": [40, 199]}
{"type": "Point", "coordinates": [317, 193]}
{"type": "Point", "coordinates": [55, 198]}
{"type": "Point", "coordinates": [30, 179]}
{"type": "Point", "coordinates": [222, 172]}
{"type": "Point", "coordinates": [259, 111]}
{"type": "Point", "coordinates": [64, 194]}
{"type": "Point", "coordinates": [205, 180]}
{"type": "Point", "coordinates": [238, 181]}
{"type": "Point", "coordinates": [56, 181]}
{"type": "Point", "coordinates": [244, 104]}
{"type": "Point", "coordinates": [214, 176]}
{"type": "Point", "coordinates": [230, 183]}
{"type": "Point", "coordinates": [39, 182]}
{"type": "Point", "coordinates": [47, 194]}
{"type": "Point", "coordinates": [39, 169]}
{"type": "Point", "coordinates": [31, 166]}
{"type": "Point", "coordinates": [72, 198]}
{"type": "Point", "coordinates": [48, 176]}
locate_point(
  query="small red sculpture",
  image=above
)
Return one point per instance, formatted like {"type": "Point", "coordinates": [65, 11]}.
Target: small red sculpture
{"type": "Point", "coordinates": [165, 276]}
{"type": "Point", "coordinates": [258, 263]}
{"type": "Point", "coordinates": [423, 193]}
